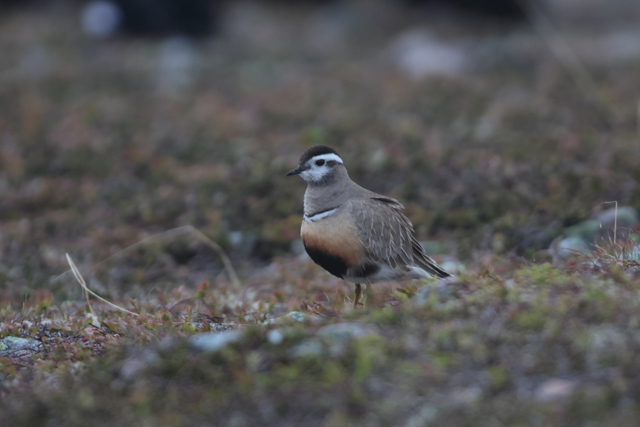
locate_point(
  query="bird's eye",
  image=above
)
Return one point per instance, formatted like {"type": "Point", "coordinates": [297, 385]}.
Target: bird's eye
{"type": "Point", "coordinates": [319, 162]}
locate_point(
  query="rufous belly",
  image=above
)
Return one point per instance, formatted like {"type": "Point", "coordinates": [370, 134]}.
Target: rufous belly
{"type": "Point", "coordinates": [334, 237]}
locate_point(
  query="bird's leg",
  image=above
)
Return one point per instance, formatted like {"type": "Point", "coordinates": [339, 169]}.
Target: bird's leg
{"type": "Point", "coordinates": [369, 296]}
{"type": "Point", "coordinates": [358, 293]}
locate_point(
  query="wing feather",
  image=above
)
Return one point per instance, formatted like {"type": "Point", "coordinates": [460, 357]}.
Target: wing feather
{"type": "Point", "coordinates": [387, 235]}
{"type": "Point", "coordinates": [422, 260]}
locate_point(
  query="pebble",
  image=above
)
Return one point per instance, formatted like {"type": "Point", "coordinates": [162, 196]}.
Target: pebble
{"type": "Point", "coordinates": [19, 347]}
{"type": "Point", "coordinates": [211, 342]}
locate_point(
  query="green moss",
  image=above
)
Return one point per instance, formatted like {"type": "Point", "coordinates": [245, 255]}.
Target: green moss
{"type": "Point", "coordinates": [531, 320]}
{"type": "Point", "coordinates": [370, 352]}
{"type": "Point", "coordinates": [84, 161]}
{"type": "Point", "coordinates": [498, 377]}
{"type": "Point", "coordinates": [543, 274]}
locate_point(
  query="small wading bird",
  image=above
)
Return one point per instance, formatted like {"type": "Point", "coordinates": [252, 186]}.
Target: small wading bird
{"type": "Point", "coordinates": [353, 233]}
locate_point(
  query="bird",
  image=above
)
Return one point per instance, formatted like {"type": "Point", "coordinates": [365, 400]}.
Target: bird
{"type": "Point", "coordinates": [355, 234]}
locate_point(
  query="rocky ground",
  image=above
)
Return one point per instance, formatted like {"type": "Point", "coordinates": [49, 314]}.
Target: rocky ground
{"type": "Point", "coordinates": [507, 141]}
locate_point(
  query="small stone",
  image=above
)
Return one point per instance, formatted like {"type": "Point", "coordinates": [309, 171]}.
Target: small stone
{"type": "Point", "coordinates": [467, 396]}
{"type": "Point", "coordinates": [235, 238]}
{"type": "Point", "coordinates": [294, 316]}
{"type": "Point", "coordinates": [19, 347]}
{"type": "Point", "coordinates": [554, 389]}
{"type": "Point", "coordinates": [626, 217]}
{"type": "Point", "coordinates": [177, 59]}
{"type": "Point", "coordinates": [441, 287]}
{"type": "Point", "coordinates": [275, 337]}
{"type": "Point", "coordinates": [346, 330]}
{"type": "Point", "coordinates": [214, 341]}
{"type": "Point", "coordinates": [620, 220]}
{"type": "Point", "coordinates": [586, 230]}
{"type": "Point", "coordinates": [418, 54]}
{"type": "Point", "coordinates": [101, 18]}
{"type": "Point", "coordinates": [214, 327]}
{"type": "Point", "coordinates": [297, 316]}
{"type": "Point", "coordinates": [572, 246]}
{"type": "Point", "coordinates": [338, 335]}
{"type": "Point", "coordinates": [453, 266]}
{"type": "Point", "coordinates": [135, 364]}
{"type": "Point", "coordinates": [308, 348]}
{"type": "Point", "coordinates": [423, 417]}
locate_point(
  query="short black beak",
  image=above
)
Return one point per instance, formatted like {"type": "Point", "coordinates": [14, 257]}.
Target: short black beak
{"type": "Point", "coordinates": [296, 171]}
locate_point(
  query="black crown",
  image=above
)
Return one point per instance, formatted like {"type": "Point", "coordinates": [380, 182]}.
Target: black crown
{"type": "Point", "coordinates": [316, 150]}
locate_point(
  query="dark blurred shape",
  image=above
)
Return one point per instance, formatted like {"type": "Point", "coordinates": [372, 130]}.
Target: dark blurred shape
{"type": "Point", "coordinates": [491, 8]}
{"type": "Point", "coordinates": [291, 2]}
{"type": "Point", "coordinates": [193, 18]}
{"type": "Point", "coordinates": [10, 3]}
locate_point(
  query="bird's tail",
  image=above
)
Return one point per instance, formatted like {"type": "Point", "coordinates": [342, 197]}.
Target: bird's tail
{"type": "Point", "coordinates": [423, 261]}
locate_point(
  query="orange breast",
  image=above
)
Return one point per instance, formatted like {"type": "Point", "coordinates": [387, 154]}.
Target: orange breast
{"type": "Point", "coordinates": [334, 237]}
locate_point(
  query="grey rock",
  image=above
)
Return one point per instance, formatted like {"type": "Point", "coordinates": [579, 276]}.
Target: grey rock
{"type": "Point", "coordinates": [339, 335]}
{"type": "Point", "coordinates": [586, 230]}
{"type": "Point", "coordinates": [308, 348]}
{"type": "Point", "coordinates": [453, 266]}
{"type": "Point", "coordinates": [294, 316]}
{"type": "Point", "coordinates": [19, 347]}
{"type": "Point", "coordinates": [332, 340]}
{"type": "Point", "coordinates": [626, 215]}
{"type": "Point", "coordinates": [297, 316]}
{"type": "Point", "coordinates": [572, 246]}
{"type": "Point", "coordinates": [235, 238]}
{"type": "Point", "coordinates": [418, 54]}
{"type": "Point", "coordinates": [553, 389]}
{"type": "Point", "coordinates": [175, 66]}
{"type": "Point", "coordinates": [581, 236]}
{"type": "Point", "coordinates": [275, 336]}
{"type": "Point", "coordinates": [467, 396]}
{"type": "Point", "coordinates": [215, 327]}
{"type": "Point", "coordinates": [346, 330]}
{"type": "Point", "coordinates": [425, 416]}
{"type": "Point", "coordinates": [442, 288]}
{"type": "Point", "coordinates": [211, 342]}
{"type": "Point", "coordinates": [136, 364]}
{"type": "Point", "coordinates": [101, 18]}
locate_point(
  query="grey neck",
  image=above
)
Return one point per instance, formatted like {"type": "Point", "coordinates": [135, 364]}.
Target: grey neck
{"type": "Point", "coordinates": [331, 194]}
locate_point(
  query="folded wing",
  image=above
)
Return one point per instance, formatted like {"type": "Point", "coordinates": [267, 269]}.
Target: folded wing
{"type": "Point", "coordinates": [387, 236]}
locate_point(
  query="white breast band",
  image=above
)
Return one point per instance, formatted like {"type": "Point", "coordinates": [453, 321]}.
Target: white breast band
{"type": "Point", "coordinates": [319, 216]}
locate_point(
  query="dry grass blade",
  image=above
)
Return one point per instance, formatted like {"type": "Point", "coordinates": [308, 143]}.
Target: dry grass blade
{"type": "Point", "coordinates": [88, 291]}
{"type": "Point", "coordinates": [80, 279]}
{"type": "Point", "coordinates": [615, 221]}
{"type": "Point", "coordinates": [202, 238]}
{"type": "Point", "coordinates": [625, 253]}
{"type": "Point", "coordinates": [216, 248]}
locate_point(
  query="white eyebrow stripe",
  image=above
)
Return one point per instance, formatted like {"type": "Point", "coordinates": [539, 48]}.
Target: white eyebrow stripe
{"type": "Point", "coordinates": [327, 157]}
{"type": "Point", "coordinates": [319, 216]}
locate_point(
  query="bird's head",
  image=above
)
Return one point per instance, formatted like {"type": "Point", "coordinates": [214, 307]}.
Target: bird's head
{"type": "Point", "coordinates": [319, 165]}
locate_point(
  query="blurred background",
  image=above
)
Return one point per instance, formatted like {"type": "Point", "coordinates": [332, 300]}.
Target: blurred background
{"type": "Point", "coordinates": [502, 126]}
